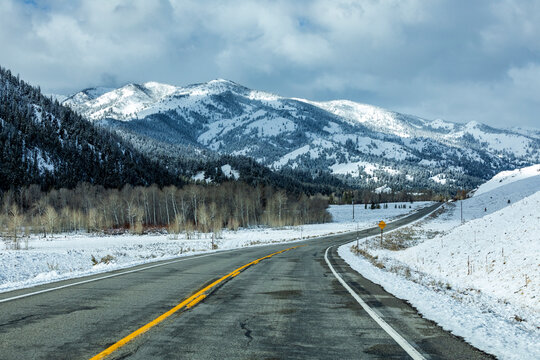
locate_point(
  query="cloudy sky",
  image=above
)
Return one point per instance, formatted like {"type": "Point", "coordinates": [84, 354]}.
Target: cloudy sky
{"type": "Point", "coordinates": [457, 60]}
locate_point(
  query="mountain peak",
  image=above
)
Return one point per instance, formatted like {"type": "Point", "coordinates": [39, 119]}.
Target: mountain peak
{"type": "Point", "coordinates": [225, 85]}
{"type": "Point", "coordinates": [341, 136]}
{"type": "Point", "coordinates": [222, 81]}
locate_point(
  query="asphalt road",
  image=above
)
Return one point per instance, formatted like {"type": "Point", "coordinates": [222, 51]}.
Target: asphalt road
{"type": "Point", "coordinates": [289, 306]}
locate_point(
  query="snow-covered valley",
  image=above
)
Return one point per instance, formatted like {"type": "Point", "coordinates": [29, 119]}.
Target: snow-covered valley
{"type": "Point", "coordinates": [66, 256]}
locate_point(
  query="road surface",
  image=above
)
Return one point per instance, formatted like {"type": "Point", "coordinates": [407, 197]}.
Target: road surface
{"type": "Point", "coordinates": [288, 306]}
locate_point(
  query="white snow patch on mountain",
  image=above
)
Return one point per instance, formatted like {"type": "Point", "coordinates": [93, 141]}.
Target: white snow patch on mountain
{"type": "Point", "coordinates": [43, 162]}
{"type": "Point", "coordinates": [291, 156]}
{"type": "Point", "coordinates": [427, 163]}
{"type": "Point", "coordinates": [229, 172]}
{"type": "Point", "coordinates": [201, 176]}
{"type": "Point", "coordinates": [353, 168]}
{"type": "Point", "coordinates": [441, 124]}
{"type": "Point", "coordinates": [439, 178]}
{"type": "Point", "coordinates": [271, 127]}
{"type": "Point", "coordinates": [358, 168]}
{"type": "Point", "coordinates": [333, 128]}
{"type": "Point", "coordinates": [383, 190]}
{"type": "Point", "coordinates": [263, 96]}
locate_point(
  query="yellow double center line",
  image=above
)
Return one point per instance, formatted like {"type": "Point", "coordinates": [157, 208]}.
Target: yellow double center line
{"type": "Point", "coordinates": [187, 303]}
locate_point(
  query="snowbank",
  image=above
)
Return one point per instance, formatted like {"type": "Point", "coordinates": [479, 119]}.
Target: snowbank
{"type": "Point", "coordinates": [498, 254]}
{"type": "Point", "coordinates": [480, 278]}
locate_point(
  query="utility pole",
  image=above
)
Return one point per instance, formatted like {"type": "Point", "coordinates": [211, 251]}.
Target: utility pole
{"type": "Point", "coordinates": [352, 206]}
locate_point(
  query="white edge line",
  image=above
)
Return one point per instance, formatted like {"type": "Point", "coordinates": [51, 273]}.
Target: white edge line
{"type": "Point", "coordinates": [140, 269]}
{"type": "Point", "coordinates": [413, 353]}
{"type": "Point", "coordinates": [146, 268]}
{"type": "Point", "coordinates": [106, 277]}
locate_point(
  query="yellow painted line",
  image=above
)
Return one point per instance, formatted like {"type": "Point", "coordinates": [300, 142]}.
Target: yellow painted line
{"type": "Point", "coordinates": [196, 301]}
{"type": "Point", "coordinates": [187, 303]}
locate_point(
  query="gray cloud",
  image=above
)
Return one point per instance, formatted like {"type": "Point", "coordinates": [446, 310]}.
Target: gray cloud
{"type": "Point", "coordinates": [458, 60]}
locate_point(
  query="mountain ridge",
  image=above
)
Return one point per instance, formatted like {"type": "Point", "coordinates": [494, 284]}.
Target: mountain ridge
{"type": "Point", "coordinates": [362, 144]}
{"type": "Point", "coordinates": [45, 143]}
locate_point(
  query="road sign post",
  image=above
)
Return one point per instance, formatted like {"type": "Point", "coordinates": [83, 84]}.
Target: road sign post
{"type": "Point", "coordinates": [382, 225]}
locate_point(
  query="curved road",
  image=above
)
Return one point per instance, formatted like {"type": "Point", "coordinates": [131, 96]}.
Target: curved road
{"type": "Point", "coordinates": [288, 306]}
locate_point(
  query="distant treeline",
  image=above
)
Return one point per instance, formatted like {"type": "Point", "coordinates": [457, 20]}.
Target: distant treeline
{"type": "Point", "coordinates": [368, 196]}
{"type": "Point", "coordinates": [204, 208]}
{"type": "Point", "coordinates": [43, 142]}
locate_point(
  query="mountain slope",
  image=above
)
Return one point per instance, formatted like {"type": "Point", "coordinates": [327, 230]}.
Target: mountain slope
{"type": "Point", "coordinates": [503, 143]}
{"type": "Point", "coordinates": [45, 143]}
{"type": "Point", "coordinates": [507, 177]}
{"type": "Point", "coordinates": [362, 144]}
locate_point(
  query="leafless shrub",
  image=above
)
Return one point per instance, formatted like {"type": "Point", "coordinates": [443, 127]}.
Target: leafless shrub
{"type": "Point", "coordinates": [107, 259]}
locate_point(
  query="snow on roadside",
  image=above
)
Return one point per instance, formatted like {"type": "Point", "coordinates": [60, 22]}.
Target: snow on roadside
{"type": "Point", "coordinates": [69, 255]}
{"type": "Point", "coordinates": [498, 254]}
{"type": "Point", "coordinates": [463, 314]}
{"type": "Point", "coordinates": [480, 279]}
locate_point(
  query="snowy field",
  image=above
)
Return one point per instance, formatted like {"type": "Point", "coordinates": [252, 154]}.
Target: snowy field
{"type": "Point", "coordinates": [70, 255]}
{"type": "Point", "coordinates": [478, 279]}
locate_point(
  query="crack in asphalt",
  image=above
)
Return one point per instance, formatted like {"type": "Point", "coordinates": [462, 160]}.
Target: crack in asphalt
{"type": "Point", "coordinates": [17, 320]}
{"type": "Point", "coordinates": [247, 331]}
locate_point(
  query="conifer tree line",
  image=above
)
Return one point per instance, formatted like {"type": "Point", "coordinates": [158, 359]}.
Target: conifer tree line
{"type": "Point", "coordinates": [139, 209]}
{"type": "Point", "coordinates": [369, 197]}
{"type": "Point", "coordinates": [45, 143]}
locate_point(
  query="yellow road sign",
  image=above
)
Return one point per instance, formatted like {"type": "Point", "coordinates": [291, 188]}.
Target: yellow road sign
{"type": "Point", "coordinates": [382, 224]}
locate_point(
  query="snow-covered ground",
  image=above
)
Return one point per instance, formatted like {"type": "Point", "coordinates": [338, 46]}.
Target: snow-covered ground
{"type": "Point", "coordinates": [478, 279]}
{"type": "Point", "coordinates": [69, 255]}
{"type": "Point", "coordinates": [507, 177]}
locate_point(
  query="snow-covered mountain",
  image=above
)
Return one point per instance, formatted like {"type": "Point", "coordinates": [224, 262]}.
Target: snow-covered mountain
{"type": "Point", "coordinates": [44, 143]}
{"type": "Point", "coordinates": [517, 141]}
{"type": "Point", "coordinates": [362, 143]}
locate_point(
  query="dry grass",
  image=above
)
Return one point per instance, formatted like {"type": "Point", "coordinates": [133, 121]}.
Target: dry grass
{"type": "Point", "coordinates": [372, 259]}
{"type": "Point", "coordinates": [107, 259]}
{"type": "Point", "coordinates": [401, 239]}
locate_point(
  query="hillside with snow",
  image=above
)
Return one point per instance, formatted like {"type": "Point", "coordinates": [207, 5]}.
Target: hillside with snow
{"type": "Point", "coordinates": [478, 278]}
{"type": "Point", "coordinates": [361, 144]}
{"type": "Point", "coordinates": [500, 142]}
{"type": "Point", "coordinates": [508, 177]}
{"type": "Point", "coordinates": [47, 144]}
